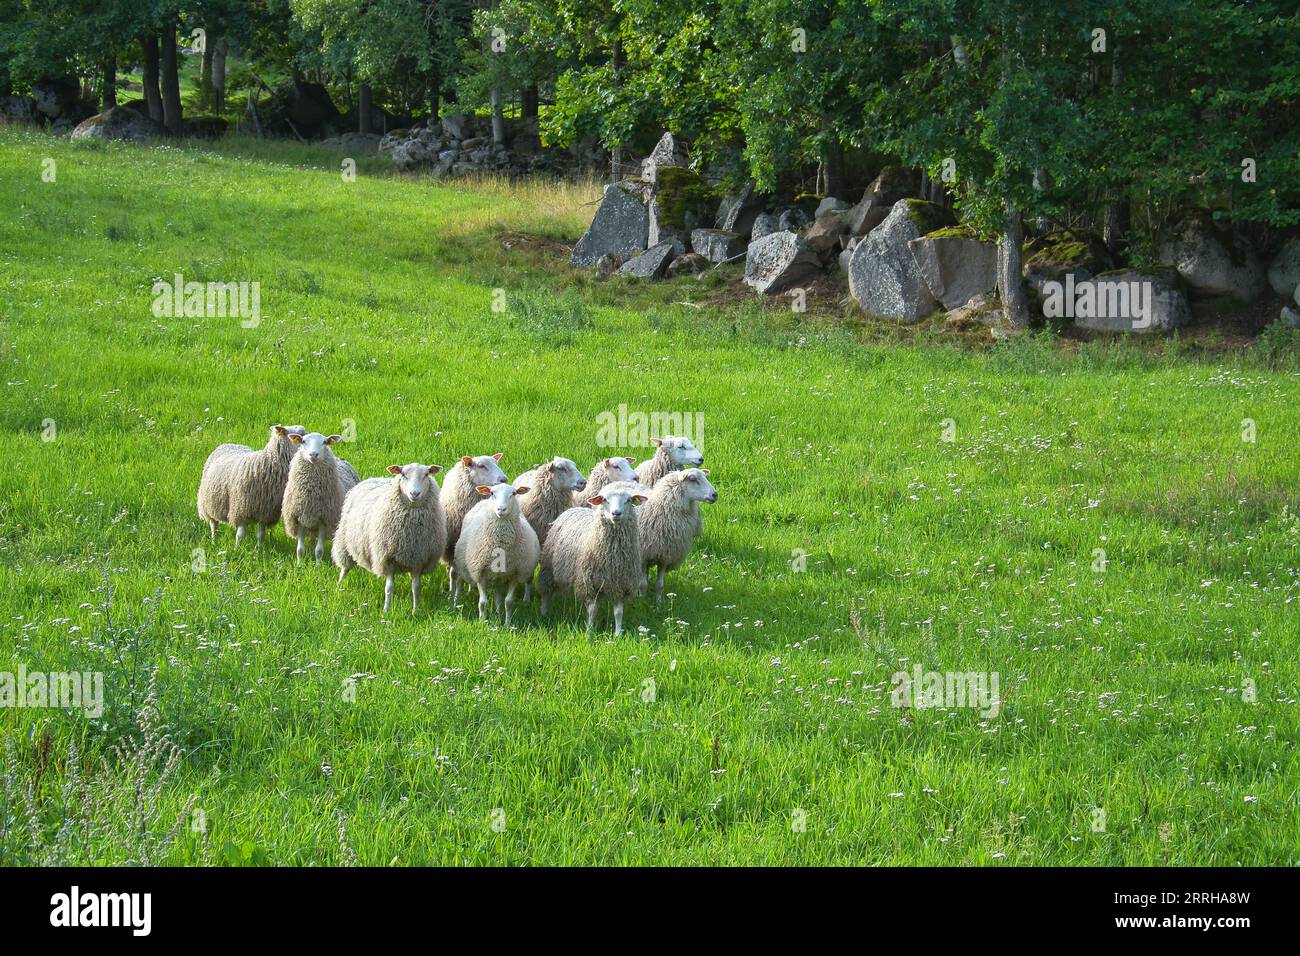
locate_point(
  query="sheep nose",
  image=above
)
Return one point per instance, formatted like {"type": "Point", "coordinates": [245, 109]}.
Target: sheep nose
{"type": "Point", "coordinates": [713, 497]}
{"type": "Point", "coordinates": [616, 514]}
{"type": "Point", "coordinates": [314, 455]}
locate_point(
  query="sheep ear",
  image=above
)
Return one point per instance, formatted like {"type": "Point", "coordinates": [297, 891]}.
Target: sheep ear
{"type": "Point", "coordinates": [296, 439]}
{"type": "Point", "coordinates": [521, 490]}
{"type": "Point", "coordinates": [657, 441]}
{"type": "Point", "coordinates": [466, 460]}
{"type": "Point", "coordinates": [483, 490]}
{"type": "Point", "coordinates": [434, 469]}
{"type": "Point", "coordinates": [332, 439]}
{"type": "Point", "coordinates": [596, 501]}
{"type": "Point", "coordinates": [280, 430]}
{"type": "Point", "coordinates": [497, 456]}
{"type": "Point", "coordinates": [638, 499]}
{"type": "Point", "coordinates": [630, 461]}
{"type": "Point", "coordinates": [394, 469]}
{"type": "Point", "coordinates": [704, 471]}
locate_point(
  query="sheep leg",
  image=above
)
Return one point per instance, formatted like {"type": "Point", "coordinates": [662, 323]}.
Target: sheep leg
{"type": "Point", "coordinates": [302, 547]}
{"type": "Point", "coordinates": [659, 586]}
{"type": "Point", "coordinates": [528, 591]}
{"type": "Point", "coordinates": [415, 593]}
{"type": "Point", "coordinates": [388, 591]}
{"type": "Point", "coordinates": [618, 618]}
{"type": "Point", "coordinates": [482, 602]}
{"type": "Point", "coordinates": [320, 547]}
{"type": "Point", "coordinates": [239, 535]}
{"type": "Point", "coordinates": [343, 573]}
{"type": "Point", "coordinates": [546, 604]}
{"type": "Point", "coordinates": [591, 614]}
{"type": "Point", "coordinates": [212, 526]}
{"type": "Point", "coordinates": [510, 602]}
{"type": "Point", "coordinates": [451, 578]}
{"type": "Point", "coordinates": [496, 601]}
{"type": "Point", "coordinates": [261, 536]}
{"type": "Point", "coordinates": [455, 593]}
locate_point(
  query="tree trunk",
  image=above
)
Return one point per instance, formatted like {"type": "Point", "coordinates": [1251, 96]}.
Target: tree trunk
{"type": "Point", "coordinates": [618, 61]}
{"type": "Point", "coordinates": [205, 72]}
{"type": "Point", "coordinates": [108, 90]}
{"type": "Point", "coordinates": [1116, 225]}
{"type": "Point", "coordinates": [171, 83]}
{"type": "Point", "coordinates": [1011, 286]}
{"type": "Point", "coordinates": [833, 169]}
{"type": "Point", "coordinates": [365, 107]}
{"type": "Point", "coordinates": [528, 101]}
{"type": "Point", "coordinates": [498, 121]}
{"type": "Point", "coordinates": [219, 75]}
{"type": "Point", "coordinates": [435, 98]}
{"type": "Point", "coordinates": [152, 97]}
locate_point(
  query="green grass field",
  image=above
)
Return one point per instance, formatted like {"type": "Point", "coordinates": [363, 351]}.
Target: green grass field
{"type": "Point", "coordinates": [1157, 682]}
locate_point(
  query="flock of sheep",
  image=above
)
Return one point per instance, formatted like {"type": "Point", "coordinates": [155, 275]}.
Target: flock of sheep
{"type": "Point", "coordinates": [594, 537]}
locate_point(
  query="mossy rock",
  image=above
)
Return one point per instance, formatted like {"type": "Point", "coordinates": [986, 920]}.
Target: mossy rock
{"type": "Point", "coordinates": [928, 216]}
{"type": "Point", "coordinates": [1061, 251]}
{"type": "Point", "coordinates": [960, 231]}
{"type": "Point", "coordinates": [683, 198]}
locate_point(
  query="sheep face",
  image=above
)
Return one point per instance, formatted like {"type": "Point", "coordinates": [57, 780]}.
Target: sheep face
{"type": "Point", "coordinates": [697, 485]}
{"type": "Point", "coordinates": [615, 504]}
{"type": "Point", "coordinates": [415, 481]}
{"type": "Point", "coordinates": [620, 469]}
{"type": "Point", "coordinates": [567, 475]}
{"type": "Point", "coordinates": [484, 470]}
{"type": "Point", "coordinates": [312, 446]}
{"type": "Point", "coordinates": [505, 497]}
{"type": "Point", "coordinates": [681, 451]}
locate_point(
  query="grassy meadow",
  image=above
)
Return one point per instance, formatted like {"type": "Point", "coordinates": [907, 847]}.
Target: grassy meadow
{"type": "Point", "coordinates": [1112, 528]}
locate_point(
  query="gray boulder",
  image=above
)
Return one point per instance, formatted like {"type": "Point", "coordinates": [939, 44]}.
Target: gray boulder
{"type": "Point", "coordinates": [120, 123]}
{"type": "Point", "coordinates": [884, 277]}
{"type": "Point", "coordinates": [831, 205]}
{"type": "Point", "coordinates": [692, 264]}
{"type": "Point", "coordinates": [456, 126]}
{"type": "Point", "coordinates": [1209, 267]}
{"type": "Point", "coordinates": [779, 260]}
{"type": "Point", "coordinates": [956, 269]}
{"type": "Point", "coordinates": [56, 98]}
{"type": "Point", "coordinates": [652, 263]}
{"type": "Point", "coordinates": [824, 234]}
{"type": "Point", "coordinates": [621, 226]}
{"type": "Point", "coordinates": [847, 253]}
{"type": "Point", "coordinates": [893, 183]}
{"type": "Point", "coordinates": [17, 109]}
{"type": "Point", "coordinates": [1125, 300]}
{"type": "Point", "coordinates": [737, 211]}
{"type": "Point", "coordinates": [764, 225]}
{"type": "Point", "coordinates": [410, 153]}
{"type": "Point", "coordinates": [792, 219]}
{"type": "Point", "coordinates": [665, 153]}
{"type": "Point", "coordinates": [718, 245]}
{"type": "Point", "coordinates": [1284, 272]}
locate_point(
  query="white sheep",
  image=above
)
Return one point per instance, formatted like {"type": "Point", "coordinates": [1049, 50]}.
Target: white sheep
{"type": "Point", "coordinates": [596, 551]}
{"type": "Point", "coordinates": [551, 488]}
{"type": "Point", "coordinates": [240, 486]}
{"type": "Point", "coordinates": [391, 526]}
{"type": "Point", "coordinates": [670, 521]}
{"type": "Point", "coordinates": [313, 495]}
{"type": "Point", "coordinates": [498, 549]}
{"type": "Point", "coordinates": [671, 453]}
{"type": "Point", "coordinates": [460, 494]}
{"type": "Point", "coordinates": [601, 474]}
